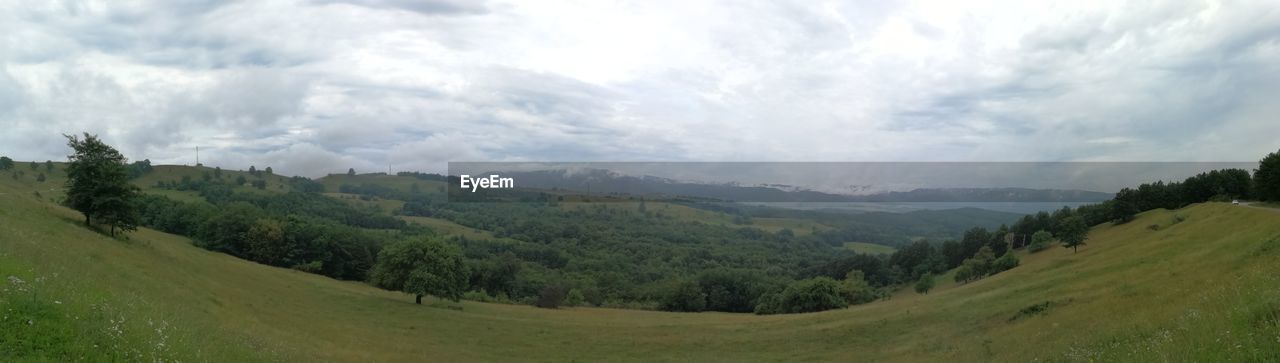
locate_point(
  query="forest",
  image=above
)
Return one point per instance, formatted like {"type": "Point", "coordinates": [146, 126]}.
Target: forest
{"type": "Point", "coordinates": [640, 254]}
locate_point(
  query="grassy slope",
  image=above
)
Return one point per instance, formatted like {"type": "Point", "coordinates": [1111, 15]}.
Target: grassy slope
{"type": "Point", "coordinates": [333, 182]}
{"type": "Point", "coordinates": [174, 173]}
{"type": "Point", "coordinates": [871, 248]}
{"type": "Point", "coordinates": [1200, 290]}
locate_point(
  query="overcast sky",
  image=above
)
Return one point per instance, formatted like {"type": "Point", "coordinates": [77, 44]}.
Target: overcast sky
{"type": "Point", "coordinates": [312, 87]}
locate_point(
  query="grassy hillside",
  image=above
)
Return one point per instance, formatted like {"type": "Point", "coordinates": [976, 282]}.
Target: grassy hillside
{"type": "Point", "coordinates": [1199, 290]}
{"type": "Point", "coordinates": [870, 248]}
{"type": "Point", "coordinates": [399, 183]}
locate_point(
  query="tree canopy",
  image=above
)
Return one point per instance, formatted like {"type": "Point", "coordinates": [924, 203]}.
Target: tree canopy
{"type": "Point", "coordinates": [1266, 179]}
{"type": "Point", "coordinates": [1073, 233]}
{"type": "Point", "coordinates": [421, 267]}
{"type": "Point", "coordinates": [98, 184]}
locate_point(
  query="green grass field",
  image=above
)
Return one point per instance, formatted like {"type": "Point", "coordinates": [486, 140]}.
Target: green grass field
{"type": "Point", "coordinates": [1200, 290]}
{"type": "Point", "coordinates": [448, 228]}
{"type": "Point", "coordinates": [869, 248]}
{"type": "Point", "coordinates": [399, 183]}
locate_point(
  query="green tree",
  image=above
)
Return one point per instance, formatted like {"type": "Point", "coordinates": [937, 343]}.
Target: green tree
{"type": "Point", "coordinates": [925, 283]}
{"type": "Point", "coordinates": [6, 163]}
{"type": "Point", "coordinates": [268, 170]}
{"type": "Point", "coordinates": [1004, 263]}
{"type": "Point", "coordinates": [684, 295]}
{"type": "Point", "coordinates": [253, 170]}
{"type": "Point", "coordinates": [964, 273]}
{"type": "Point", "coordinates": [1040, 241]}
{"type": "Point", "coordinates": [816, 294]}
{"type": "Point", "coordinates": [351, 172]}
{"type": "Point", "coordinates": [1073, 232]}
{"type": "Point", "coordinates": [48, 166]}
{"type": "Point", "coordinates": [98, 184]}
{"type": "Point", "coordinates": [1266, 178]}
{"type": "Point", "coordinates": [240, 180]}
{"type": "Point", "coordinates": [217, 172]}
{"type": "Point", "coordinates": [266, 243]}
{"type": "Point", "coordinates": [1124, 207]}
{"type": "Point", "coordinates": [421, 267]}
{"type": "Point", "coordinates": [34, 166]}
{"type": "Point", "coordinates": [856, 289]}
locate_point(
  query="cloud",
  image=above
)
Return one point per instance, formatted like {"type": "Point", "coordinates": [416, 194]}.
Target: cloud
{"type": "Point", "coordinates": [312, 87]}
{"type": "Point", "coordinates": [425, 7]}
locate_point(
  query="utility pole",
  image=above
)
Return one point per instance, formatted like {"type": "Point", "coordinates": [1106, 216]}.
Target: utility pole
{"type": "Point", "coordinates": [197, 156]}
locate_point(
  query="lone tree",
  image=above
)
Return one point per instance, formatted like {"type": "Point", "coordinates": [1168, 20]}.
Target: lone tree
{"type": "Point", "coordinates": [925, 284]}
{"type": "Point", "coordinates": [98, 184]}
{"type": "Point", "coordinates": [421, 267]}
{"type": "Point", "coordinates": [6, 163]}
{"type": "Point", "coordinates": [1266, 178]}
{"type": "Point", "coordinates": [1073, 233]}
{"type": "Point", "coordinates": [351, 171]}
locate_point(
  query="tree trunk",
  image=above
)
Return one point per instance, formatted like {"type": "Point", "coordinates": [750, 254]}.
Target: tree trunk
{"type": "Point", "coordinates": [86, 219]}
{"type": "Point", "coordinates": [418, 300]}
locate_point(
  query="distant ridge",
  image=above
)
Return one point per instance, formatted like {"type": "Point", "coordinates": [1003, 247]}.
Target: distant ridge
{"type": "Point", "coordinates": [600, 181]}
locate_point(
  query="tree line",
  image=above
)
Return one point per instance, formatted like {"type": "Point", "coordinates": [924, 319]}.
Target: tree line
{"type": "Point", "coordinates": [548, 254]}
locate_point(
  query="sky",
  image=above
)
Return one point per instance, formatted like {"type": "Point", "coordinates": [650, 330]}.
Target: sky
{"type": "Point", "coordinates": [317, 87]}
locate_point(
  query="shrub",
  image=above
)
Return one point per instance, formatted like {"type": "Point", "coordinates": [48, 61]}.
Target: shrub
{"type": "Point", "coordinates": [684, 295]}
{"type": "Point", "coordinates": [314, 267]}
{"type": "Point", "coordinates": [1040, 241]}
{"type": "Point", "coordinates": [926, 283]}
{"type": "Point", "coordinates": [816, 294]}
{"type": "Point", "coordinates": [551, 297]}
{"type": "Point", "coordinates": [1004, 263]}
{"type": "Point", "coordinates": [575, 298]}
{"type": "Point", "coordinates": [857, 290]}
{"type": "Point", "coordinates": [964, 273]}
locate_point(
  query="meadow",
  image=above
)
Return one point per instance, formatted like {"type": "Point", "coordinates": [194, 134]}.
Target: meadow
{"type": "Point", "coordinates": [1199, 290]}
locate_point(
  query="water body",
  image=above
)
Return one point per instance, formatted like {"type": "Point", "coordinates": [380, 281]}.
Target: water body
{"type": "Point", "coordinates": [903, 207]}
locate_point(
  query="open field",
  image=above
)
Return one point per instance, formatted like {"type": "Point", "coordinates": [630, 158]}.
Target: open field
{"type": "Point", "coordinates": [869, 248]}
{"type": "Point", "coordinates": [333, 182]}
{"type": "Point", "coordinates": [1198, 290]}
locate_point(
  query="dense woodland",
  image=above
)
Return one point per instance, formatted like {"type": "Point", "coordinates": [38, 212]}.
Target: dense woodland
{"type": "Point", "coordinates": [636, 255]}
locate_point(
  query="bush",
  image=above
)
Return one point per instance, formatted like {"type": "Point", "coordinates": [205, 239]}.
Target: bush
{"type": "Point", "coordinates": [857, 290]}
{"type": "Point", "coordinates": [575, 298]}
{"type": "Point", "coordinates": [926, 283]}
{"type": "Point", "coordinates": [1004, 263]}
{"type": "Point", "coordinates": [1040, 241]}
{"type": "Point", "coordinates": [684, 295]}
{"type": "Point", "coordinates": [551, 297]}
{"type": "Point", "coordinates": [816, 294]}
{"type": "Point", "coordinates": [964, 273]}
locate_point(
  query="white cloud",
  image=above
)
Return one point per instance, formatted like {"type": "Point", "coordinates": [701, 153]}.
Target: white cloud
{"type": "Point", "coordinates": [319, 86]}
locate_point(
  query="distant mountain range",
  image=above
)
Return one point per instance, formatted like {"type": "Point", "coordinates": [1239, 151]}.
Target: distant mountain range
{"type": "Point", "coordinates": [599, 181]}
